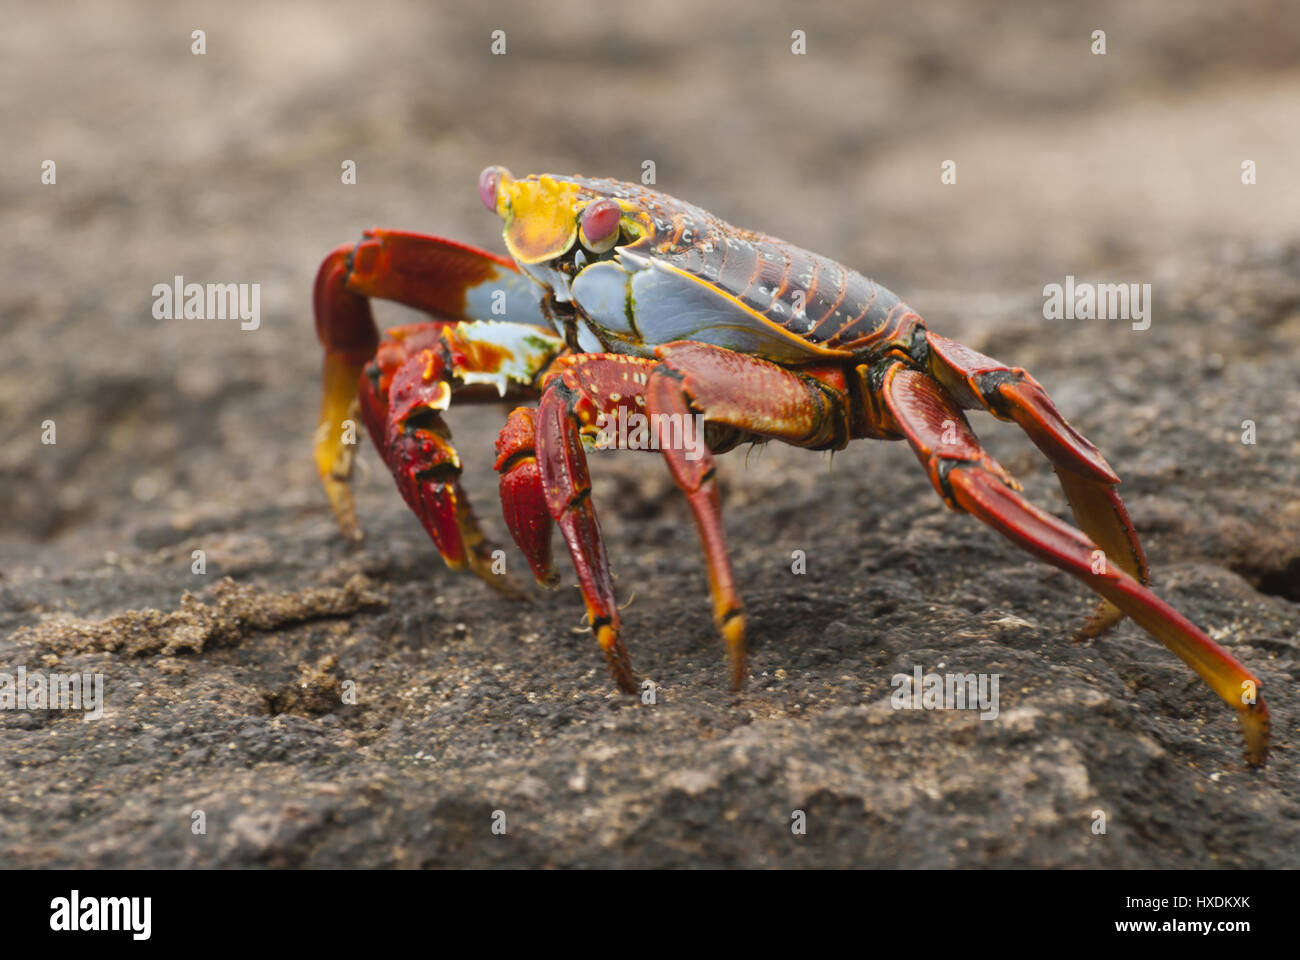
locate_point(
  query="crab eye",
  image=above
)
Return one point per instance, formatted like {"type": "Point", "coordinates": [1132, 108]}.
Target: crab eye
{"type": "Point", "coordinates": [487, 187]}
{"type": "Point", "coordinates": [600, 225]}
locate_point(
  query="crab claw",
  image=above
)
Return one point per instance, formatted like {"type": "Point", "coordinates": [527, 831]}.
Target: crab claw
{"type": "Point", "coordinates": [454, 283]}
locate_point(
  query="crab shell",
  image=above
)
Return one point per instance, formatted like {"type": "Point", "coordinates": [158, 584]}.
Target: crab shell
{"type": "Point", "coordinates": [680, 273]}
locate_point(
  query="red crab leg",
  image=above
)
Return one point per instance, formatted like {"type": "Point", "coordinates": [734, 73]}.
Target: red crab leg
{"type": "Point", "coordinates": [728, 388]}
{"type": "Point", "coordinates": [449, 280]}
{"type": "Point", "coordinates": [1009, 393]}
{"type": "Point", "coordinates": [522, 499]}
{"type": "Point", "coordinates": [566, 486]}
{"type": "Point", "coordinates": [752, 395]}
{"type": "Point", "coordinates": [969, 479]}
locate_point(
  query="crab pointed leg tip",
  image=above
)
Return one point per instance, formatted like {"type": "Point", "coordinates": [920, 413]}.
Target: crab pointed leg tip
{"type": "Point", "coordinates": [620, 667]}
{"type": "Point", "coordinates": [348, 525]}
{"type": "Point", "coordinates": [545, 575]}
{"type": "Point", "coordinates": [1255, 726]}
{"type": "Point", "coordinates": [344, 510]}
{"type": "Point", "coordinates": [1099, 623]}
{"type": "Point", "coordinates": [738, 674]}
{"type": "Point", "coordinates": [621, 670]}
{"type": "Point", "coordinates": [733, 635]}
{"type": "Point", "coordinates": [1256, 755]}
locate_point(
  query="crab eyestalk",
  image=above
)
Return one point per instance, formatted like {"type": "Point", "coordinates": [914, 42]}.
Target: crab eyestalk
{"type": "Point", "coordinates": [598, 227]}
{"type": "Point", "coordinates": [489, 184]}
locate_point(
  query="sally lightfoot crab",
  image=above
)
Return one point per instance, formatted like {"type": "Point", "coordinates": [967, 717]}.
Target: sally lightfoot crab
{"type": "Point", "coordinates": [618, 300]}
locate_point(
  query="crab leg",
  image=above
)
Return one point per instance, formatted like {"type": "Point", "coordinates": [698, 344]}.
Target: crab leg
{"type": "Point", "coordinates": [449, 280]}
{"type": "Point", "coordinates": [970, 480]}
{"type": "Point", "coordinates": [748, 394]}
{"type": "Point", "coordinates": [522, 501]}
{"type": "Point", "coordinates": [566, 487]}
{"type": "Point", "coordinates": [584, 386]}
{"type": "Point", "coordinates": [1009, 393]}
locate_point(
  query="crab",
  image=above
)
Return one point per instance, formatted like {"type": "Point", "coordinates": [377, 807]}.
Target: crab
{"type": "Point", "coordinates": [620, 302]}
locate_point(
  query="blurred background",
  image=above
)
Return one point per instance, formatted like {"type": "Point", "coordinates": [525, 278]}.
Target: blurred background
{"type": "Point", "coordinates": [225, 167]}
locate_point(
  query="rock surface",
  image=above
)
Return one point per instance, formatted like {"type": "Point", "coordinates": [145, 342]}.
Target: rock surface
{"type": "Point", "coordinates": [227, 691]}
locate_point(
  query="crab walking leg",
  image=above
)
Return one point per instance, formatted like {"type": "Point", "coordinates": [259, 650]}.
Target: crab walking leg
{"type": "Point", "coordinates": [1099, 510]}
{"type": "Point", "coordinates": [751, 395]}
{"type": "Point", "coordinates": [970, 480]}
{"type": "Point", "coordinates": [449, 280]}
{"type": "Point", "coordinates": [566, 486]}
{"type": "Point", "coordinates": [581, 390]}
{"type": "Point", "coordinates": [1009, 393]}
{"type": "Point", "coordinates": [522, 500]}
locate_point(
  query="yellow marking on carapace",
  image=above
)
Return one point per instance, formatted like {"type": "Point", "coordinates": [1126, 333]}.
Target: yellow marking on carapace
{"type": "Point", "coordinates": [541, 217]}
